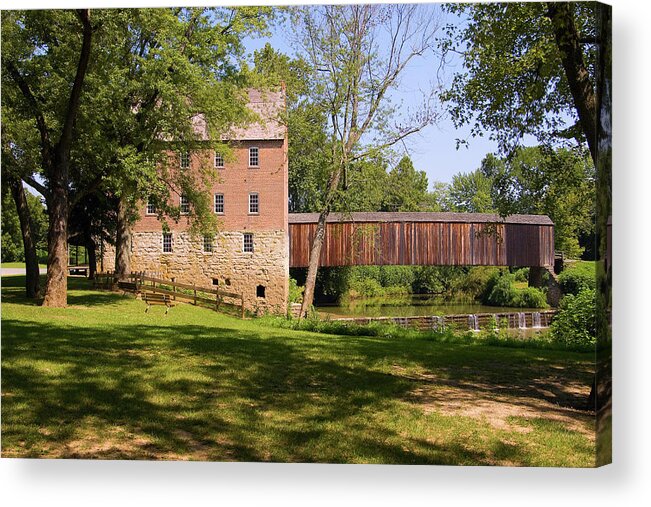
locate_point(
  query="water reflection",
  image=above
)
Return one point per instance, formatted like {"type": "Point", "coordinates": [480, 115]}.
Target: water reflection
{"type": "Point", "coordinates": [410, 306]}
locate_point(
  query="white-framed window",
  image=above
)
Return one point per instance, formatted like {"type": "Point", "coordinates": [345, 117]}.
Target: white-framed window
{"type": "Point", "coordinates": [248, 242]}
{"type": "Point", "coordinates": [185, 205]}
{"type": "Point", "coordinates": [219, 204]}
{"type": "Point", "coordinates": [254, 203]}
{"type": "Point", "coordinates": [219, 160]}
{"type": "Point", "coordinates": [254, 157]}
{"type": "Point", "coordinates": [167, 242]}
{"type": "Point", "coordinates": [151, 207]}
{"type": "Point", "coordinates": [207, 243]}
{"type": "Point", "coordinates": [184, 159]}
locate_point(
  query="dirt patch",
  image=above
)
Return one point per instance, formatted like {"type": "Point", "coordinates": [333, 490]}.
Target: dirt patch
{"type": "Point", "coordinates": [540, 398]}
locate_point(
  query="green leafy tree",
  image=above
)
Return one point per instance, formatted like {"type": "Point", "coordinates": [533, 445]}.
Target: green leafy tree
{"type": "Point", "coordinates": [45, 59]}
{"type": "Point", "coordinates": [162, 70]}
{"type": "Point", "coordinates": [471, 193]}
{"type": "Point", "coordinates": [558, 183]}
{"type": "Point", "coordinates": [356, 54]}
{"type": "Point", "coordinates": [528, 68]}
{"type": "Point", "coordinates": [439, 198]}
{"type": "Point", "coordinates": [367, 186]}
{"type": "Point", "coordinates": [12, 239]}
{"type": "Point", "coordinates": [406, 188]}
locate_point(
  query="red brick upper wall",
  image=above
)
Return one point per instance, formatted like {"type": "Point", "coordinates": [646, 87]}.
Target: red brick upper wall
{"type": "Point", "coordinates": [236, 180]}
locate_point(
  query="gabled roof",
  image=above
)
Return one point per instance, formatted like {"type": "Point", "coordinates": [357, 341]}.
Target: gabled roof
{"type": "Point", "coordinates": [306, 218]}
{"type": "Point", "coordinates": [268, 105]}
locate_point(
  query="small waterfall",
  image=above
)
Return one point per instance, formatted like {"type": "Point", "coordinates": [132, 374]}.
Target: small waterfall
{"type": "Point", "coordinates": [438, 323]}
{"type": "Point", "coordinates": [522, 320]}
{"type": "Point", "coordinates": [473, 322]}
{"type": "Point", "coordinates": [535, 320]}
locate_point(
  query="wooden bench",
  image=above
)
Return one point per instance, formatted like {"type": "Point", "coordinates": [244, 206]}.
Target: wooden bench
{"type": "Point", "coordinates": [128, 287]}
{"type": "Point", "coordinates": [152, 298]}
{"type": "Point", "coordinates": [78, 270]}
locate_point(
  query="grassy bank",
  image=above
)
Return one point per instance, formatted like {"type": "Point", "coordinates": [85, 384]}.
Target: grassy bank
{"type": "Point", "coordinates": [102, 379]}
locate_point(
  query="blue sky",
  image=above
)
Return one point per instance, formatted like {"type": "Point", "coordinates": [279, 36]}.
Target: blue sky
{"type": "Point", "coordinates": [434, 149]}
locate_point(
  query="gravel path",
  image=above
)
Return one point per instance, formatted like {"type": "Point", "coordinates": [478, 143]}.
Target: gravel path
{"type": "Point", "coordinates": [18, 271]}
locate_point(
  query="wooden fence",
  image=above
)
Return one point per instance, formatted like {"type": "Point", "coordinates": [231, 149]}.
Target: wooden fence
{"type": "Point", "coordinates": [214, 298]}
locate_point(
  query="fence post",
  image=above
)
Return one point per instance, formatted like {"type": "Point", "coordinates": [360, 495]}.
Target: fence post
{"type": "Point", "coordinates": [242, 305]}
{"type": "Point", "coordinates": [195, 293]}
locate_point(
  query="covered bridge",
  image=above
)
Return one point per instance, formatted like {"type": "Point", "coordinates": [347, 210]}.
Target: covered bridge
{"type": "Point", "coordinates": [436, 239]}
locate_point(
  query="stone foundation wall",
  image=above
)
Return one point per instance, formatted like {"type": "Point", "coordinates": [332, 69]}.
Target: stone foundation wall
{"type": "Point", "coordinates": [228, 267]}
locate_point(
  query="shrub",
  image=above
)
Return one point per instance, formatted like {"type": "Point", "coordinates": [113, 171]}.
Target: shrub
{"type": "Point", "coordinates": [521, 275]}
{"type": "Point", "coordinates": [530, 297]}
{"type": "Point", "coordinates": [575, 322]}
{"type": "Point", "coordinates": [397, 276]}
{"type": "Point", "coordinates": [366, 287]}
{"type": "Point", "coordinates": [578, 277]}
{"type": "Point", "coordinates": [502, 293]}
{"type": "Point", "coordinates": [295, 291]}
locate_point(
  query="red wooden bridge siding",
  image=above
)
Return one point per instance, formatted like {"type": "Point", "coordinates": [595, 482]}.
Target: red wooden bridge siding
{"type": "Point", "coordinates": [439, 239]}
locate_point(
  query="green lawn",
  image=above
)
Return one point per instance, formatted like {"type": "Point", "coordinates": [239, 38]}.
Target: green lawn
{"type": "Point", "coordinates": [102, 379]}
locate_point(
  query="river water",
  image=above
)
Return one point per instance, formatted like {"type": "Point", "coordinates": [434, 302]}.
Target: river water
{"type": "Point", "coordinates": [410, 306]}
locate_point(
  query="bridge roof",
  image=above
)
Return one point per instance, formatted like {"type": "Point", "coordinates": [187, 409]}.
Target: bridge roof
{"type": "Point", "coordinates": [402, 216]}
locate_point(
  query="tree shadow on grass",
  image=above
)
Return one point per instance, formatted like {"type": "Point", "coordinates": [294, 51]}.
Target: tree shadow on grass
{"type": "Point", "coordinates": [13, 291]}
{"type": "Point", "coordinates": [222, 394]}
{"type": "Point", "coordinates": [184, 392]}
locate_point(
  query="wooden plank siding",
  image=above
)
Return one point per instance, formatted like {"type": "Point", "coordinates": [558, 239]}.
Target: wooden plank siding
{"type": "Point", "coordinates": [390, 240]}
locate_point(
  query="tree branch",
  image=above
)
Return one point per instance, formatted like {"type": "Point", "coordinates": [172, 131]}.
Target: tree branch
{"type": "Point", "coordinates": [33, 106]}
{"type": "Point", "coordinates": [37, 186]}
{"type": "Point", "coordinates": [567, 40]}
{"type": "Point", "coordinates": [75, 94]}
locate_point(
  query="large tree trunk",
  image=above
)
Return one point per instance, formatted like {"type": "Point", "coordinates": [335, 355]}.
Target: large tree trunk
{"type": "Point", "coordinates": [313, 265]}
{"type": "Point", "coordinates": [32, 284]}
{"type": "Point", "coordinates": [57, 168]}
{"type": "Point", "coordinates": [123, 242]}
{"type": "Point", "coordinates": [56, 285]}
{"type": "Point", "coordinates": [317, 242]}
{"type": "Point", "coordinates": [91, 248]}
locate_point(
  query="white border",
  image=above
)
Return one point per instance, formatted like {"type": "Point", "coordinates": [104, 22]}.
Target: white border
{"type": "Point", "coordinates": [110, 483]}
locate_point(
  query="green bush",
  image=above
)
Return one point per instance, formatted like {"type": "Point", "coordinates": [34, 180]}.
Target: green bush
{"type": "Point", "coordinates": [366, 287]}
{"type": "Point", "coordinates": [578, 277]}
{"type": "Point", "coordinates": [521, 275]}
{"type": "Point", "coordinates": [575, 322]}
{"type": "Point", "coordinates": [501, 291]}
{"type": "Point", "coordinates": [477, 279]}
{"type": "Point", "coordinates": [295, 291]}
{"type": "Point", "coordinates": [530, 297]}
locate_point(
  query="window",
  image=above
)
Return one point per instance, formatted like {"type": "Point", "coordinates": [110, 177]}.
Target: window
{"type": "Point", "coordinates": [254, 157]}
{"type": "Point", "coordinates": [215, 281]}
{"type": "Point", "coordinates": [184, 158]}
{"type": "Point", "coordinates": [151, 207]}
{"type": "Point", "coordinates": [259, 291]}
{"type": "Point", "coordinates": [207, 243]}
{"type": "Point", "coordinates": [248, 242]}
{"type": "Point", "coordinates": [219, 160]}
{"type": "Point", "coordinates": [254, 203]}
{"type": "Point", "coordinates": [185, 205]}
{"type": "Point", "coordinates": [167, 242]}
{"type": "Point", "coordinates": [219, 203]}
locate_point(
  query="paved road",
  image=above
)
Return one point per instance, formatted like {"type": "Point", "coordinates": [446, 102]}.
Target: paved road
{"type": "Point", "coordinates": [18, 271]}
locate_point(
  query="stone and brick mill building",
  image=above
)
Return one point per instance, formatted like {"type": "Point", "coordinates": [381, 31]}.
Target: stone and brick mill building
{"type": "Point", "coordinates": [248, 254]}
